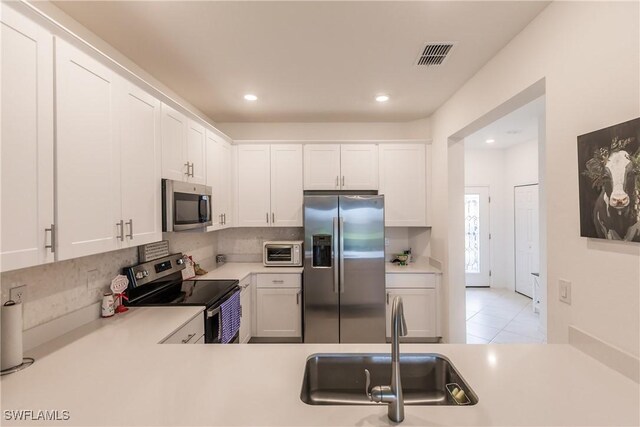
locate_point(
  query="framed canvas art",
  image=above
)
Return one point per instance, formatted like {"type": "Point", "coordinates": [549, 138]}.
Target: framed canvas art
{"type": "Point", "coordinates": [609, 182]}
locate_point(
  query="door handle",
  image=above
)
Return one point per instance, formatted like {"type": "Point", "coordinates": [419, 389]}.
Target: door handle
{"type": "Point", "coordinates": [341, 255]}
{"type": "Point", "coordinates": [51, 246]}
{"type": "Point", "coordinates": [121, 225]}
{"type": "Point", "coordinates": [336, 267]}
{"type": "Point", "coordinates": [130, 224]}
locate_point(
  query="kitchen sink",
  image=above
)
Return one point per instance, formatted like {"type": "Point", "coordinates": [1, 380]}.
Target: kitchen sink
{"type": "Point", "coordinates": [339, 379]}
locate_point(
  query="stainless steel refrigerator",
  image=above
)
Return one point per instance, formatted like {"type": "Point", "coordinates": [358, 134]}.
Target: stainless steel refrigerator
{"type": "Point", "coordinates": [344, 274]}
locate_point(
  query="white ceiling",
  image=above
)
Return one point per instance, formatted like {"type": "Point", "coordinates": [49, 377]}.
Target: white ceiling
{"type": "Point", "coordinates": [306, 61]}
{"type": "Point", "coordinates": [519, 126]}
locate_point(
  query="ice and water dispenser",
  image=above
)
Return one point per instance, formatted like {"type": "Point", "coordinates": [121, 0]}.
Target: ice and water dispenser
{"type": "Point", "coordinates": [322, 250]}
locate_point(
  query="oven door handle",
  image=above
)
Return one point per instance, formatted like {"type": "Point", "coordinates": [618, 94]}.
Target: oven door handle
{"type": "Point", "coordinates": [213, 312]}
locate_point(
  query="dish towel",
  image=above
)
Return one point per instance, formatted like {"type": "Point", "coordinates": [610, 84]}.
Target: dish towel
{"type": "Point", "coordinates": [230, 318]}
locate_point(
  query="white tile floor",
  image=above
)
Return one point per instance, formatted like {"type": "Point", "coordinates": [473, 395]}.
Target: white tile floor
{"type": "Point", "coordinates": [497, 315]}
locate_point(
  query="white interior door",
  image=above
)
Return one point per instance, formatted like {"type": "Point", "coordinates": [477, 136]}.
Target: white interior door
{"type": "Point", "coordinates": [476, 241]}
{"type": "Point", "coordinates": [526, 228]}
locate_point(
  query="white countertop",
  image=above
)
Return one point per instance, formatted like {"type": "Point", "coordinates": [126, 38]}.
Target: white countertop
{"type": "Point", "coordinates": [240, 270]}
{"type": "Point", "coordinates": [412, 268]}
{"type": "Point", "coordinates": [112, 372]}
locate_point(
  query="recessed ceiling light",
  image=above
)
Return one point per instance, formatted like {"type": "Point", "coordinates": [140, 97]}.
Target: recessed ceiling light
{"type": "Point", "coordinates": [490, 141]}
{"type": "Point", "coordinates": [250, 97]}
{"type": "Point", "coordinates": [382, 98]}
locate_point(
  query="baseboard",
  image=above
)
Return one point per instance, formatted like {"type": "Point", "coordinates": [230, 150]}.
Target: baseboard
{"type": "Point", "coordinates": [47, 331]}
{"type": "Point", "coordinates": [614, 357]}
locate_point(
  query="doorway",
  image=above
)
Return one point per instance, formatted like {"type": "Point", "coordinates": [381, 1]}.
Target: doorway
{"type": "Point", "coordinates": [477, 247]}
{"type": "Point", "coordinates": [526, 239]}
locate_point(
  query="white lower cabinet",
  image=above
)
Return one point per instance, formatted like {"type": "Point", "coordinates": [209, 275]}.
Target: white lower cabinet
{"type": "Point", "coordinates": [191, 333]}
{"type": "Point", "coordinates": [420, 300]}
{"type": "Point", "coordinates": [246, 310]}
{"type": "Point", "coordinates": [279, 309]}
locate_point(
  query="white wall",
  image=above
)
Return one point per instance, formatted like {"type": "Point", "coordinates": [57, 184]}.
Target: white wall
{"type": "Point", "coordinates": [584, 92]}
{"type": "Point", "coordinates": [419, 129]}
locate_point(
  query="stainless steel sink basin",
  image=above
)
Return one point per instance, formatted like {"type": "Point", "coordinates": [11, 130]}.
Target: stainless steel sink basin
{"type": "Point", "coordinates": [339, 379]}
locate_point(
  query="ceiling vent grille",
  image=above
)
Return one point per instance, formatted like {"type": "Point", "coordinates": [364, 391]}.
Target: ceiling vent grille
{"type": "Point", "coordinates": [434, 54]}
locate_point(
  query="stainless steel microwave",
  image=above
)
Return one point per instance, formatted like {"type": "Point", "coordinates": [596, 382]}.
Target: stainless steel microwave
{"type": "Point", "coordinates": [185, 206]}
{"type": "Point", "coordinates": [283, 253]}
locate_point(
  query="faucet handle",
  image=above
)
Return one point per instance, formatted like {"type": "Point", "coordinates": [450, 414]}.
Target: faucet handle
{"type": "Point", "coordinates": [367, 384]}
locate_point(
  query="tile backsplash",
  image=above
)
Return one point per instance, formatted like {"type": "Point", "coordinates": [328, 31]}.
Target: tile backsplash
{"type": "Point", "coordinates": [57, 289]}
{"type": "Point", "coordinates": [245, 244]}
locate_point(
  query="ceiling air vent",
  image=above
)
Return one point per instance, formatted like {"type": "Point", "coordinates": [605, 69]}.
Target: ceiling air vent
{"type": "Point", "coordinates": [434, 53]}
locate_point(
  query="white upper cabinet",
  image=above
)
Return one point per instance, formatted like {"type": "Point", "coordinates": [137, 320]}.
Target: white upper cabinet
{"type": "Point", "coordinates": [403, 183]}
{"type": "Point", "coordinates": [183, 147]}
{"type": "Point", "coordinates": [270, 185]}
{"type": "Point", "coordinates": [27, 142]}
{"type": "Point", "coordinates": [340, 167]}
{"type": "Point", "coordinates": [254, 174]}
{"type": "Point", "coordinates": [140, 160]}
{"type": "Point", "coordinates": [219, 161]}
{"type": "Point", "coordinates": [322, 167]}
{"type": "Point", "coordinates": [88, 158]}
{"type": "Point", "coordinates": [359, 167]}
{"type": "Point", "coordinates": [286, 185]}
{"type": "Point", "coordinates": [174, 134]}
{"type": "Point", "coordinates": [196, 153]}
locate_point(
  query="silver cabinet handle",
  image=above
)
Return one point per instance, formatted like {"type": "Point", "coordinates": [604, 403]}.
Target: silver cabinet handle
{"type": "Point", "coordinates": [298, 298]}
{"type": "Point", "coordinates": [130, 224]}
{"type": "Point", "coordinates": [337, 182]}
{"type": "Point", "coordinates": [224, 219]}
{"type": "Point", "coordinates": [188, 166]}
{"type": "Point", "coordinates": [267, 217]}
{"type": "Point", "coordinates": [186, 340]}
{"type": "Point", "coordinates": [192, 169]}
{"type": "Point", "coordinates": [341, 255]}
{"type": "Point", "coordinates": [273, 218]}
{"type": "Point", "coordinates": [220, 219]}
{"type": "Point", "coordinates": [51, 246]}
{"type": "Point", "coordinates": [336, 268]}
{"type": "Point", "coordinates": [240, 311]}
{"type": "Point", "coordinates": [343, 180]}
{"type": "Point", "coordinates": [121, 225]}
{"type": "Point", "coordinates": [387, 298]}
{"type": "Point", "coordinates": [277, 281]}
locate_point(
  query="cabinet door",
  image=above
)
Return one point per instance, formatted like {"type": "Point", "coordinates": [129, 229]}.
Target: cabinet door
{"type": "Point", "coordinates": [225, 170]}
{"type": "Point", "coordinates": [279, 313]}
{"type": "Point", "coordinates": [214, 152]}
{"type": "Point", "coordinates": [245, 314]}
{"type": "Point", "coordinates": [419, 311]}
{"type": "Point", "coordinates": [322, 167]}
{"type": "Point", "coordinates": [140, 165]}
{"type": "Point", "coordinates": [253, 186]}
{"type": "Point", "coordinates": [286, 185]}
{"type": "Point", "coordinates": [403, 181]}
{"type": "Point", "coordinates": [174, 134]}
{"type": "Point", "coordinates": [88, 161]}
{"type": "Point", "coordinates": [359, 167]}
{"type": "Point", "coordinates": [27, 141]}
{"type": "Point", "coordinates": [196, 153]}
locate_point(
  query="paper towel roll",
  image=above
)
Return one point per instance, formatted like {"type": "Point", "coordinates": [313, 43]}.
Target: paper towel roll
{"type": "Point", "coordinates": [11, 348]}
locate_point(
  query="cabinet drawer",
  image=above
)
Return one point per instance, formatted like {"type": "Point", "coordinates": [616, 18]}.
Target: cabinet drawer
{"type": "Point", "coordinates": [404, 280]}
{"type": "Point", "coordinates": [279, 280]}
{"type": "Point", "coordinates": [189, 333]}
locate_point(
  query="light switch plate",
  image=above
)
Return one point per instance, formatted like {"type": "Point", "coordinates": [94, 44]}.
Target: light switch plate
{"type": "Point", "coordinates": [18, 293]}
{"type": "Point", "coordinates": [564, 291]}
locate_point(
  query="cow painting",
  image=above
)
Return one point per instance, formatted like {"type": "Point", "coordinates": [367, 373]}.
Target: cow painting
{"type": "Point", "coordinates": [610, 182]}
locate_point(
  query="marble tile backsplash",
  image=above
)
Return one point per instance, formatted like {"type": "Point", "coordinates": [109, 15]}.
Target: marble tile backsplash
{"type": "Point", "coordinates": [245, 244]}
{"type": "Point", "coordinates": [57, 289]}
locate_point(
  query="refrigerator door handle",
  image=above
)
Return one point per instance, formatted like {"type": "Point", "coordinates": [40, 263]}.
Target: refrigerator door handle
{"type": "Point", "coordinates": [341, 255]}
{"type": "Point", "coordinates": [336, 278]}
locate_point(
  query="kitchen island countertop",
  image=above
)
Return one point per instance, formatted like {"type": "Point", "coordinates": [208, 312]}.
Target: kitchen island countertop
{"type": "Point", "coordinates": [113, 372]}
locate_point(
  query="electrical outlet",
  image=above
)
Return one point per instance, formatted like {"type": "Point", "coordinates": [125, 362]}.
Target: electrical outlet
{"type": "Point", "coordinates": [18, 293]}
{"type": "Point", "coordinates": [92, 280]}
{"type": "Point", "coordinates": [564, 291]}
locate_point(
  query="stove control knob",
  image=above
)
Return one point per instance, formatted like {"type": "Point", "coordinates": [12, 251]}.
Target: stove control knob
{"type": "Point", "coordinates": [145, 273]}
{"type": "Point", "coordinates": [180, 261]}
{"type": "Point", "coordinates": [139, 275]}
